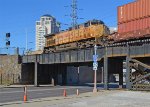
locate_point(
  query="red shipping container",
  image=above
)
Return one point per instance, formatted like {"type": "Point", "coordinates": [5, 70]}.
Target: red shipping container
{"type": "Point", "coordinates": [148, 22]}
{"type": "Point", "coordinates": [148, 9]}
{"type": "Point", "coordinates": [119, 15]}
{"type": "Point", "coordinates": [128, 27]}
{"type": "Point", "coordinates": [137, 10]}
{"type": "Point", "coordinates": [119, 29]}
{"type": "Point", "coordinates": [145, 23]}
{"type": "Point", "coordinates": [141, 5]}
{"type": "Point", "coordinates": [144, 8]}
{"type": "Point", "coordinates": [124, 27]}
{"type": "Point", "coordinates": [134, 25]}
{"type": "Point", "coordinates": [133, 11]}
{"type": "Point", "coordinates": [127, 14]}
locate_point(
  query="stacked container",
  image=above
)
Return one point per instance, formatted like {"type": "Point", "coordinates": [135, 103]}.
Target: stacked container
{"type": "Point", "coordinates": [133, 17]}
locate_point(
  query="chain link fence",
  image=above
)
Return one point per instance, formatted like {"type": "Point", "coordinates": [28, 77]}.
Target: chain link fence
{"type": "Point", "coordinates": [8, 79]}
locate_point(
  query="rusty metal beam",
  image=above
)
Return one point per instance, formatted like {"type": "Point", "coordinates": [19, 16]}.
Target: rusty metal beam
{"type": "Point", "coordinates": [140, 78]}
{"type": "Point", "coordinates": [140, 63]}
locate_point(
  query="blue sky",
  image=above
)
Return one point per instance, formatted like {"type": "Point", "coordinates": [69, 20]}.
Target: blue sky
{"type": "Point", "coordinates": [18, 15]}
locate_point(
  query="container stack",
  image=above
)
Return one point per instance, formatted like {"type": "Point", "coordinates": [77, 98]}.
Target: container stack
{"type": "Point", "coordinates": [133, 19]}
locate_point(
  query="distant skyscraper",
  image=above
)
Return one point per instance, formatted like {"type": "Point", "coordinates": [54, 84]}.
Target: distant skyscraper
{"type": "Point", "coordinates": [46, 25]}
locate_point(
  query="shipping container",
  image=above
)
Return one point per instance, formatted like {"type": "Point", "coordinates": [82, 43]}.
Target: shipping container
{"type": "Point", "coordinates": [141, 33]}
{"type": "Point", "coordinates": [133, 11]}
{"type": "Point", "coordinates": [134, 25]}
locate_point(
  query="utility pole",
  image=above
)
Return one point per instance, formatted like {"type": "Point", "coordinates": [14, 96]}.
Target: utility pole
{"type": "Point", "coordinates": [95, 65]}
{"type": "Point", "coordinates": [74, 15]}
{"type": "Point", "coordinates": [26, 31]}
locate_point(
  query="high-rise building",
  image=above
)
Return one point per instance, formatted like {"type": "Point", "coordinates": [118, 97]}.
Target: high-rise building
{"type": "Point", "coordinates": [46, 25]}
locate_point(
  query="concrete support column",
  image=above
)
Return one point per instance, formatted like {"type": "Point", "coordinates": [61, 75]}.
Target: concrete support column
{"type": "Point", "coordinates": [105, 70]}
{"type": "Point", "coordinates": [36, 74]}
{"type": "Point", "coordinates": [78, 74]}
{"type": "Point", "coordinates": [102, 73]}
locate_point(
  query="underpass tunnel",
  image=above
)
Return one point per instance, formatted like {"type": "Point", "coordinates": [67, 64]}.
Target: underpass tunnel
{"type": "Point", "coordinates": [82, 74]}
{"type": "Point", "coordinates": [43, 74]}
{"type": "Point", "coordinates": [54, 74]}
{"type": "Point", "coordinates": [115, 71]}
{"type": "Point", "coordinates": [27, 74]}
{"type": "Point", "coordinates": [73, 74]}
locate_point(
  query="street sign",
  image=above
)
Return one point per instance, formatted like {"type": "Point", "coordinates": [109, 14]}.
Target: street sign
{"type": "Point", "coordinates": [95, 65]}
{"type": "Point", "coordinates": [94, 68]}
{"type": "Point", "coordinates": [95, 57]}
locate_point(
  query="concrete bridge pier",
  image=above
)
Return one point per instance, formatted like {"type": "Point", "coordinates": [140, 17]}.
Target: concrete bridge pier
{"type": "Point", "coordinates": [106, 73]}
{"type": "Point", "coordinates": [36, 74]}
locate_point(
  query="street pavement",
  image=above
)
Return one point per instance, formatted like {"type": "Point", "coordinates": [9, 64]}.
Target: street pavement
{"type": "Point", "coordinates": [12, 94]}
{"type": "Point", "coordinates": [113, 98]}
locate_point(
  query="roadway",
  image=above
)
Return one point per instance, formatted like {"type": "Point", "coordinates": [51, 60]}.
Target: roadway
{"type": "Point", "coordinates": [16, 94]}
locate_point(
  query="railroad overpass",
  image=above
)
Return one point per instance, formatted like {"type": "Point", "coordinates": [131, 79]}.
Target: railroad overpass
{"type": "Point", "coordinates": [110, 58]}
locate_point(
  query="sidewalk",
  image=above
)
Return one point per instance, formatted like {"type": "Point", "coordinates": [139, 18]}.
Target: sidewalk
{"type": "Point", "coordinates": [21, 86]}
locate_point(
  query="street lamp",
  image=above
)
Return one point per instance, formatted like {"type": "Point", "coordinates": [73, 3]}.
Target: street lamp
{"type": "Point", "coordinates": [95, 65]}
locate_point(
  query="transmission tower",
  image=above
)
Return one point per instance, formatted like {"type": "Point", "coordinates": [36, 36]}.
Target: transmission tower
{"type": "Point", "coordinates": [74, 13]}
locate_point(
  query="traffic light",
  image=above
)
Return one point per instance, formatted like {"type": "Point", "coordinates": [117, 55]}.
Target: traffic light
{"type": "Point", "coordinates": [7, 35]}
{"type": "Point", "coordinates": [7, 43]}
{"type": "Point", "coordinates": [7, 40]}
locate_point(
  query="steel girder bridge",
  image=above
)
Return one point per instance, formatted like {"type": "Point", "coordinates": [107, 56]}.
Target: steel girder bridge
{"type": "Point", "coordinates": [112, 57]}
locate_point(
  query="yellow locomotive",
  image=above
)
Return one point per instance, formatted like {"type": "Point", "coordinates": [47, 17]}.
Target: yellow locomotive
{"type": "Point", "coordinates": [82, 36]}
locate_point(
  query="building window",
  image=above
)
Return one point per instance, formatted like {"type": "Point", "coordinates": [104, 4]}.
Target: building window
{"type": "Point", "coordinates": [37, 23]}
{"type": "Point", "coordinates": [43, 19]}
{"type": "Point", "coordinates": [47, 22]}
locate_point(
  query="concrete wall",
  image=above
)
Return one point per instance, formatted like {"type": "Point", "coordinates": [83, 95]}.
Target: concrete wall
{"type": "Point", "coordinates": [86, 75]}
{"type": "Point", "coordinates": [10, 69]}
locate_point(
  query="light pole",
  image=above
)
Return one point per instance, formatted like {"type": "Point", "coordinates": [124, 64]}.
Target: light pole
{"type": "Point", "coordinates": [26, 31]}
{"type": "Point", "coordinates": [95, 65]}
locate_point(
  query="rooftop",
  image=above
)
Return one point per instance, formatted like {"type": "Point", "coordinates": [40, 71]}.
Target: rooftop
{"type": "Point", "coordinates": [46, 15]}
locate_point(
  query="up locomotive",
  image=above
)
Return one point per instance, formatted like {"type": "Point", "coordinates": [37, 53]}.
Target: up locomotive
{"type": "Point", "coordinates": [82, 36]}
